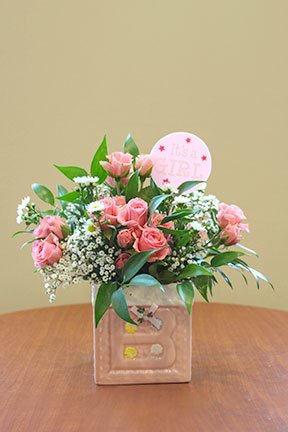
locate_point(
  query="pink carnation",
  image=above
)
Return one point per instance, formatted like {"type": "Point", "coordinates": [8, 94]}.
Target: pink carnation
{"type": "Point", "coordinates": [48, 225]}
{"type": "Point", "coordinates": [229, 214]}
{"type": "Point", "coordinates": [46, 252]}
{"type": "Point", "coordinates": [232, 233]}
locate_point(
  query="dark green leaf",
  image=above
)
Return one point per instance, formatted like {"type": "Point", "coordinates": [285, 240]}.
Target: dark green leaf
{"type": "Point", "coordinates": [103, 300]}
{"type": "Point", "coordinates": [100, 155]}
{"type": "Point", "coordinates": [119, 305]}
{"type": "Point", "coordinates": [130, 146]}
{"type": "Point", "coordinates": [132, 187]}
{"type": "Point", "coordinates": [186, 292]}
{"type": "Point", "coordinates": [225, 277]}
{"type": "Point", "coordinates": [184, 187]}
{"type": "Point", "coordinates": [167, 277]}
{"type": "Point", "coordinates": [172, 231]}
{"type": "Point", "coordinates": [147, 193]}
{"type": "Point", "coordinates": [194, 270]}
{"type": "Point", "coordinates": [156, 201]}
{"type": "Point", "coordinates": [43, 193]}
{"type": "Point", "coordinates": [225, 258]}
{"type": "Point", "coordinates": [202, 284]}
{"type": "Point", "coordinates": [176, 215]}
{"type": "Point", "coordinates": [70, 197]}
{"type": "Point", "coordinates": [135, 263]}
{"type": "Point", "coordinates": [71, 171]}
{"type": "Point", "coordinates": [144, 280]}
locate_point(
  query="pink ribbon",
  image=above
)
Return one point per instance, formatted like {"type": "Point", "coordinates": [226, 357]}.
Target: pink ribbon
{"type": "Point", "coordinates": [143, 315]}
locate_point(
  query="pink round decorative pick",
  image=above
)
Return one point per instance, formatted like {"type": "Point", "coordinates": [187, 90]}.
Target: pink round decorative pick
{"type": "Point", "coordinates": [180, 157]}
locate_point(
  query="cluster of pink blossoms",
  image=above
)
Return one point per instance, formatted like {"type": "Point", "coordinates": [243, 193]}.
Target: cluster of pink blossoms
{"type": "Point", "coordinates": [136, 230]}
{"type": "Point", "coordinates": [230, 219]}
{"type": "Point", "coordinates": [48, 249]}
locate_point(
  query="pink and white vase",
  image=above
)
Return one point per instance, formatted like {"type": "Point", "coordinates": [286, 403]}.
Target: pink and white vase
{"type": "Point", "coordinates": [158, 350]}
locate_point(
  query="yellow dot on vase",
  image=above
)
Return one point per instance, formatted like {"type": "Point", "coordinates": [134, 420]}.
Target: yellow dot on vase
{"type": "Point", "coordinates": [131, 328]}
{"type": "Point", "coordinates": [130, 353]}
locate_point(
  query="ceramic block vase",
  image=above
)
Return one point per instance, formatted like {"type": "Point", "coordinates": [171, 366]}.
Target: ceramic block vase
{"type": "Point", "coordinates": [158, 350]}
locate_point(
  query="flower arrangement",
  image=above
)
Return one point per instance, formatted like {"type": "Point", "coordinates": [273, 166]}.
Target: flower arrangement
{"type": "Point", "coordinates": [117, 228]}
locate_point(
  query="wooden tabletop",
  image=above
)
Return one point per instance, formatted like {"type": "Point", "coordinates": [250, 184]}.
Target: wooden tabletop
{"type": "Point", "coordinates": [239, 378]}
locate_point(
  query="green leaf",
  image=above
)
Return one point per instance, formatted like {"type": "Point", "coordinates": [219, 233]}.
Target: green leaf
{"type": "Point", "coordinates": [225, 277]}
{"type": "Point", "coordinates": [255, 273]}
{"type": "Point", "coordinates": [28, 242]}
{"type": "Point", "coordinates": [225, 258]}
{"type": "Point", "coordinates": [65, 230]}
{"type": "Point", "coordinates": [70, 197]}
{"type": "Point", "coordinates": [186, 292]}
{"type": "Point", "coordinates": [130, 146]}
{"type": "Point", "coordinates": [172, 231]}
{"type": "Point", "coordinates": [22, 232]}
{"type": "Point", "coordinates": [184, 187]}
{"type": "Point", "coordinates": [61, 190]}
{"type": "Point", "coordinates": [132, 187]}
{"type": "Point", "coordinates": [176, 215]}
{"type": "Point", "coordinates": [47, 213]}
{"type": "Point", "coordinates": [156, 201]}
{"type": "Point", "coordinates": [144, 280]}
{"type": "Point", "coordinates": [71, 171]}
{"type": "Point", "coordinates": [101, 155]}
{"type": "Point", "coordinates": [119, 305]}
{"type": "Point", "coordinates": [135, 263]}
{"type": "Point", "coordinates": [202, 284]}
{"type": "Point", "coordinates": [193, 271]}
{"type": "Point", "coordinates": [103, 300]}
{"type": "Point", "coordinates": [167, 277]}
{"type": "Point", "coordinates": [43, 193]}
{"type": "Point", "coordinates": [147, 193]}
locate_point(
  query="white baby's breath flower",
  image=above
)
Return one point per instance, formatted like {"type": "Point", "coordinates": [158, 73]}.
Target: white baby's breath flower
{"type": "Point", "coordinates": [181, 199]}
{"type": "Point", "coordinates": [22, 208]}
{"type": "Point", "coordinates": [196, 226]}
{"type": "Point", "coordinates": [86, 180]}
{"type": "Point", "coordinates": [94, 207]}
{"type": "Point", "coordinates": [167, 187]}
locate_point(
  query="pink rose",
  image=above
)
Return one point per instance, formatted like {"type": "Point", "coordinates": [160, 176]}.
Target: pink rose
{"type": "Point", "coordinates": [46, 252]}
{"type": "Point", "coordinates": [121, 260]}
{"type": "Point", "coordinates": [110, 211]}
{"type": "Point", "coordinates": [120, 200]}
{"type": "Point", "coordinates": [152, 238]}
{"type": "Point", "coordinates": [125, 238]}
{"type": "Point", "coordinates": [49, 224]}
{"type": "Point", "coordinates": [119, 164]}
{"type": "Point", "coordinates": [157, 218]}
{"type": "Point", "coordinates": [144, 164]}
{"type": "Point", "coordinates": [232, 233]}
{"type": "Point", "coordinates": [229, 214]}
{"type": "Point", "coordinates": [134, 213]}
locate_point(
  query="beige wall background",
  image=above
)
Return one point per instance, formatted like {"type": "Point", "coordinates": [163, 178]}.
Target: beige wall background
{"type": "Point", "coordinates": [72, 71]}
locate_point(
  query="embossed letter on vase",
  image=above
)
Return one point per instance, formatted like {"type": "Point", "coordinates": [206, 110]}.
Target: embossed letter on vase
{"type": "Point", "coordinates": [158, 350]}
